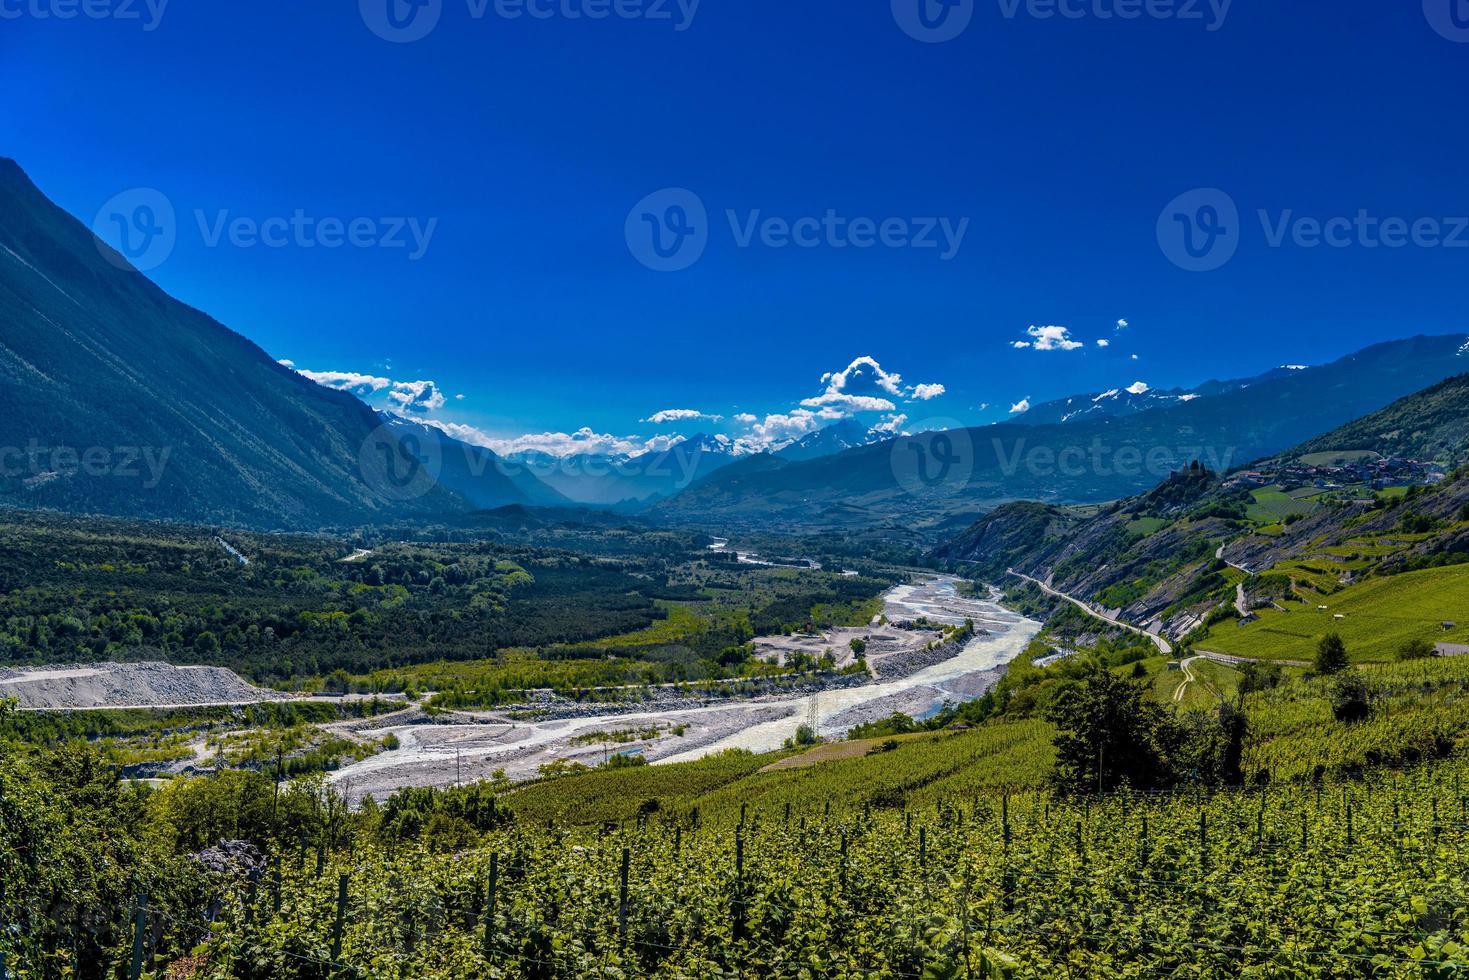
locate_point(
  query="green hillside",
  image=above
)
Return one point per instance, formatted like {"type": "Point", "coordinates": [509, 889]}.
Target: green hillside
{"type": "Point", "coordinates": [1429, 425]}
{"type": "Point", "coordinates": [1376, 619]}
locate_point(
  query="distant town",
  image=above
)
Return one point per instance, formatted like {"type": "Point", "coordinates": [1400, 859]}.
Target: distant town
{"type": "Point", "coordinates": [1341, 471]}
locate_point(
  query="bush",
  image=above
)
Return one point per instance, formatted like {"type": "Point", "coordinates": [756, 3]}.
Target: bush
{"type": "Point", "coordinates": [1259, 677]}
{"type": "Point", "coordinates": [1417, 650]}
{"type": "Point", "coordinates": [1351, 699]}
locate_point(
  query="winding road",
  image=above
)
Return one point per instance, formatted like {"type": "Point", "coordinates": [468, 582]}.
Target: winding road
{"type": "Point", "coordinates": [1162, 644]}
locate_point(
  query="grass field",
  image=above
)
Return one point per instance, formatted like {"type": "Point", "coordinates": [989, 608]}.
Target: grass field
{"type": "Point", "coordinates": [1273, 505]}
{"type": "Point", "coordinates": [1379, 616]}
{"type": "Point", "coordinates": [1339, 457]}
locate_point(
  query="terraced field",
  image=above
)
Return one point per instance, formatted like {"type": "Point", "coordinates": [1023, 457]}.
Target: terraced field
{"type": "Point", "coordinates": [1375, 618]}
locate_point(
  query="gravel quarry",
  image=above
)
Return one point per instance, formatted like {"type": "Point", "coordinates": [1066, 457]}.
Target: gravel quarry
{"type": "Point", "coordinates": [142, 685]}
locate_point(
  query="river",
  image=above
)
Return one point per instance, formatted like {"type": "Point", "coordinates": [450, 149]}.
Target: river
{"type": "Point", "coordinates": [440, 754]}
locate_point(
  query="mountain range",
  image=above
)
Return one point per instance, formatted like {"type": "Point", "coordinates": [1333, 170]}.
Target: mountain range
{"type": "Point", "coordinates": [1085, 460]}
{"type": "Point", "coordinates": [1137, 397]}
{"type": "Point", "coordinates": [116, 398]}
{"type": "Point", "coordinates": [1157, 558]}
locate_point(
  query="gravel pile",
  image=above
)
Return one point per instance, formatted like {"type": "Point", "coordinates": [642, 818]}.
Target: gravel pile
{"type": "Point", "coordinates": [141, 685]}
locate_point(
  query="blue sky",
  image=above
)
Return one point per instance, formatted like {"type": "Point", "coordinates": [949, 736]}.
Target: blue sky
{"type": "Point", "coordinates": [529, 152]}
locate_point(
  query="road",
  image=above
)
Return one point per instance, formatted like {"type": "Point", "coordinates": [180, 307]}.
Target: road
{"type": "Point", "coordinates": [1162, 644]}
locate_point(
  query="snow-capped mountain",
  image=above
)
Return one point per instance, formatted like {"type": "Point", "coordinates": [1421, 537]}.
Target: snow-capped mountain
{"type": "Point", "coordinates": [1138, 397]}
{"type": "Point", "coordinates": [835, 438]}
{"type": "Point", "coordinates": [615, 479]}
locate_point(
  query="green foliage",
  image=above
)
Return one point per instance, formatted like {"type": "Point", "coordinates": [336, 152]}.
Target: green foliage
{"type": "Point", "coordinates": [1351, 698]}
{"type": "Point", "coordinates": [1331, 655]}
{"type": "Point", "coordinates": [1416, 649]}
{"type": "Point", "coordinates": [1110, 734]}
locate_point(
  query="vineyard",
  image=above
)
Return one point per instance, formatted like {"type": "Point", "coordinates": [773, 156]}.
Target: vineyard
{"type": "Point", "coordinates": [1359, 879]}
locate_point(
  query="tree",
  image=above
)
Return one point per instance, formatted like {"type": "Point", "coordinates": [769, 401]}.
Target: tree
{"type": "Point", "coordinates": [1331, 655]}
{"type": "Point", "coordinates": [1418, 649]}
{"type": "Point", "coordinates": [1112, 734]}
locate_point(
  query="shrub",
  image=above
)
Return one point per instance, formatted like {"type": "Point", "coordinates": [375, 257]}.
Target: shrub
{"type": "Point", "coordinates": [1351, 699]}
{"type": "Point", "coordinates": [1417, 650]}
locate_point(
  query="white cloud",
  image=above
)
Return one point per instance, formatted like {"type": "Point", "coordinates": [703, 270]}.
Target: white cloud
{"type": "Point", "coordinates": [286, 362]}
{"type": "Point", "coordinates": [559, 444]}
{"type": "Point", "coordinates": [1122, 324]}
{"type": "Point", "coordinates": [864, 386]}
{"type": "Point", "coordinates": [1134, 357]}
{"type": "Point", "coordinates": [746, 418]}
{"type": "Point", "coordinates": [405, 396]}
{"type": "Point", "coordinates": [459, 398]}
{"type": "Point", "coordinates": [360, 385]}
{"type": "Point", "coordinates": [779, 430]}
{"type": "Point", "coordinates": [1138, 388]}
{"type": "Point", "coordinates": [416, 396]}
{"type": "Point", "coordinates": [1048, 338]}
{"type": "Point", "coordinates": [681, 415]}
{"type": "Point", "coordinates": [1020, 407]}
{"type": "Point", "coordinates": [1104, 342]}
{"type": "Point", "coordinates": [892, 425]}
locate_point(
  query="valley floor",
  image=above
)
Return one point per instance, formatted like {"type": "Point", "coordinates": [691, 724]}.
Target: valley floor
{"type": "Point", "coordinates": [465, 746]}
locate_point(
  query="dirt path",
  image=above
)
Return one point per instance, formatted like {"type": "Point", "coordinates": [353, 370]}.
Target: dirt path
{"type": "Point", "coordinates": [1188, 678]}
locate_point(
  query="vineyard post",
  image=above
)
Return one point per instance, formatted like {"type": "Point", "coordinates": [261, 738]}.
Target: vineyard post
{"type": "Point", "coordinates": [742, 814]}
{"type": "Point", "coordinates": [964, 918]}
{"type": "Point", "coordinates": [907, 822]}
{"type": "Point", "coordinates": [251, 894]}
{"type": "Point", "coordinates": [301, 855]}
{"type": "Point", "coordinates": [622, 896]}
{"type": "Point", "coordinates": [922, 848]}
{"type": "Point", "coordinates": [140, 917]}
{"type": "Point", "coordinates": [341, 918]}
{"type": "Point", "coordinates": [677, 842]}
{"type": "Point", "coordinates": [787, 822]}
{"type": "Point", "coordinates": [739, 900]}
{"type": "Point", "coordinates": [1005, 820]}
{"type": "Point", "coordinates": [489, 937]}
{"type": "Point", "coordinates": [320, 858]}
{"type": "Point", "coordinates": [1304, 840]}
{"type": "Point", "coordinates": [827, 814]}
{"type": "Point", "coordinates": [275, 885]}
